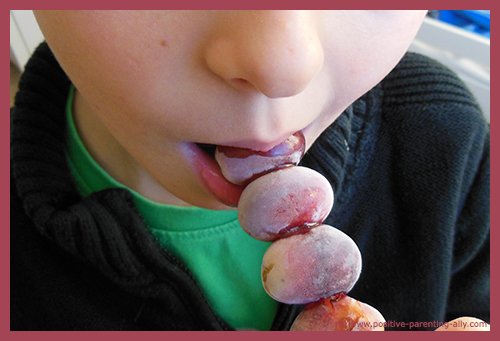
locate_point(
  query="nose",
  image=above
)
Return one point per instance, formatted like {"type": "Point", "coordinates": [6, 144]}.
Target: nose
{"type": "Point", "coordinates": [276, 53]}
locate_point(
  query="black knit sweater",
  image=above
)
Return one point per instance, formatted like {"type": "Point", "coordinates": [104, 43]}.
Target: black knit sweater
{"type": "Point", "coordinates": [409, 162]}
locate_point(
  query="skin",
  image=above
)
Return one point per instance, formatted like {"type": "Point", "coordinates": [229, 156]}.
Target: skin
{"type": "Point", "coordinates": [149, 81]}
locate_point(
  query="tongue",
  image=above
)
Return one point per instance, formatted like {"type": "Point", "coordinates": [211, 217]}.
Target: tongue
{"type": "Point", "coordinates": [240, 165]}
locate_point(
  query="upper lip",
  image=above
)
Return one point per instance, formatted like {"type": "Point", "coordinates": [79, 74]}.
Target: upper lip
{"type": "Point", "coordinates": [256, 145]}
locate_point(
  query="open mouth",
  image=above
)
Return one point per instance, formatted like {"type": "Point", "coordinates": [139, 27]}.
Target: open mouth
{"type": "Point", "coordinates": [241, 166]}
{"type": "Point", "coordinates": [225, 171]}
{"type": "Point", "coordinates": [201, 157]}
{"type": "Point", "coordinates": [207, 148]}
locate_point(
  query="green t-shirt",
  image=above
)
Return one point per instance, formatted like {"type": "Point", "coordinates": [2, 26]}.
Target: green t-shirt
{"type": "Point", "coordinates": [222, 257]}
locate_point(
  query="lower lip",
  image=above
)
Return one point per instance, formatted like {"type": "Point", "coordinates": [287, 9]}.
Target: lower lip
{"type": "Point", "coordinates": [210, 175]}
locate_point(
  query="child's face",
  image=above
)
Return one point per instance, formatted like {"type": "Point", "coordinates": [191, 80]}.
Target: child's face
{"type": "Point", "coordinates": [156, 81]}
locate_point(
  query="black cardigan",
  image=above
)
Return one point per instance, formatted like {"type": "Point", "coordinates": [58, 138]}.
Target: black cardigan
{"type": "Point", "coordinates": [409, 162]}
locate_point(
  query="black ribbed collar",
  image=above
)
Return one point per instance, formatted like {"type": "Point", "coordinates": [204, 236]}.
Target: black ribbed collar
{"type": "Point", "coordinates": [105, 229]}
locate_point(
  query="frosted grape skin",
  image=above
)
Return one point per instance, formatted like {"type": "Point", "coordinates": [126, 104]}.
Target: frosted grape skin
{"type": "Point", "coordinates": [240, 165]}
{"type": "Point", "coordinates": [307, 267]}
{"type": "Point", "coordinates": [341, 313]}
{"type": "Point", "coordinates": [283, 201]}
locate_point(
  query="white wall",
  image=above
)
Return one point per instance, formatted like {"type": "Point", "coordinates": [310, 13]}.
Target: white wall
{"type": "Point", "coordinates": [466, 53]}
{"type": "Point", "coordinates": [25, 36]}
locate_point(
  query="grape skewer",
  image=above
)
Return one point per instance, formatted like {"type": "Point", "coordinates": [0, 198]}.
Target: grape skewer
{"type": "Point", "coordinates": [308, 262]}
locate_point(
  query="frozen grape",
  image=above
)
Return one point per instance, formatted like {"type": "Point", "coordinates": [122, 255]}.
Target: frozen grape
{"type": "Point", "coordinates": [339, 313]}
{"type": "Point", "coordinates": [284, 202]}
{"type": "Point", "coordinates": [240, 165]}
{"type": "Point", "coordinates": [307, 262]}
{"type": "Point", "coordinates": [304, 268]}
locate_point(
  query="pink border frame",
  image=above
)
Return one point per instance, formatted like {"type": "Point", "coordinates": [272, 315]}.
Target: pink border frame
{"type": "Point", "coordinates": [217, 4]}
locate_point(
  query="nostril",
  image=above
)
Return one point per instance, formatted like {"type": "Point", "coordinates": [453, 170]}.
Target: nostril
{"type": "Point", "coordinates": [241, 84]}
{"type": "Point", "coordinates": [240, 81]}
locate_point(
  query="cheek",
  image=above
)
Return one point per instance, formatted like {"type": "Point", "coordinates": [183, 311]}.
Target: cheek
{"type": "Point", "coordinates": [116, 60]}
{"type": "Point", "coordinates": [360, 56]}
